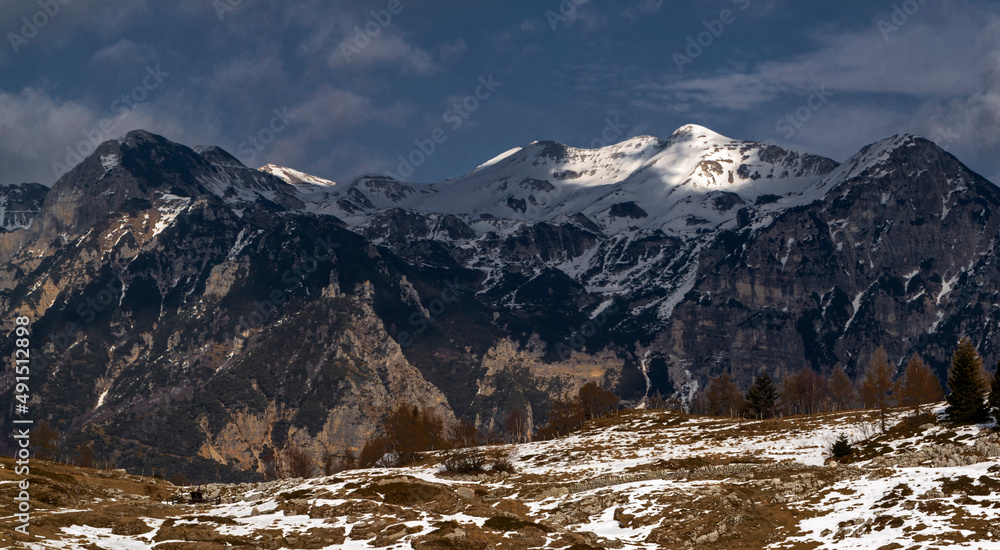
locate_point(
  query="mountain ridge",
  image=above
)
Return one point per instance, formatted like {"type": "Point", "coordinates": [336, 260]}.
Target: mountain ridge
{"type": "Point", "coordinates": [165, 283]}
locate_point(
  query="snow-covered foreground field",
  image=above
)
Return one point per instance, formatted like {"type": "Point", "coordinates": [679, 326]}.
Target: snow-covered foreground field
{"type": "Point", "coordinates": [638, 480]}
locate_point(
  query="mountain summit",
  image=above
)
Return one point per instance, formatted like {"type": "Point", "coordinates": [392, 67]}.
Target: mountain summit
{"type": "Point", "coordinates": [674, 180]}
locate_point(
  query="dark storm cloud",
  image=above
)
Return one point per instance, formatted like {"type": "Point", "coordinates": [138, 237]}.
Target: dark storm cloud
{"type": "Point", "coordinates": [365, 80]}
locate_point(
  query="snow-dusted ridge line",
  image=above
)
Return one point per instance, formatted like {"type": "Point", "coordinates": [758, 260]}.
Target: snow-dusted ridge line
{"type": "Point", "coordinates": [498, 158]}
{"type": "Point", "coordinates": [295, 177]}
{"type": "Point", "coordinates": [643, 182]}
{"type": "Point", "coordinates": [671, 182]}
{"type": "Point", "coordinates": [684, 189]}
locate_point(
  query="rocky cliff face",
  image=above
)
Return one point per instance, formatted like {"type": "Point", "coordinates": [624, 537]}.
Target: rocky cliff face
{"type": "Point", "coordinates": [182, 329]}
{"type": "Point", "coordinates": [701, 254]}
{"type": "Point", "coordinates": [19, 204]}
{"type": "Point", "coordinates": [897, 253]}
{"type": "Point", "coordinates": [192, 313]}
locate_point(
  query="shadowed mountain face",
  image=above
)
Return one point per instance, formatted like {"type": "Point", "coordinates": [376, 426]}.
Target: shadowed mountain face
{"type": "Point", "coordinates": [191, 313]}
{"type": "Point", "coordinates": [19, 204]}
{"type": "Point", "coordinates": [899, 253]}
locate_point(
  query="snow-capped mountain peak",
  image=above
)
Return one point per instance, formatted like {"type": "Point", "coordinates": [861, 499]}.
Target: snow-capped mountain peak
{"type": "Point", "coordinates": [555, 162]}
{"type": "Point", "coordinates": [676, 181]}
{"type": "Point", "coordinates": [694, 132]}
{"type": "Point", "coordinates": [295, 177]}
{"type": "Point", "coordinates": [498, 158]}
{"type": "Point", "coordinates": [882, 157]}
{"type": "Point", "coordinates": [654, 263]}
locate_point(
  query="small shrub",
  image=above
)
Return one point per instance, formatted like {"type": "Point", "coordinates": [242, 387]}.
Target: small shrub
{"type": "Point", "coordinates": [476, 461]}
{"type": "Point", "coordinates": [466, 461]}
{"type": "Point", "coordinates": [298, 463]}
{"type": "Point", "coordinates": [500, 462]}
{"type": "Point", "coordinates": [841, 447]}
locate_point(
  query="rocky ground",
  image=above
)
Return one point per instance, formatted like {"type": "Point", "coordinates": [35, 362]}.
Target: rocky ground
{"type": "Point", "coordinates": [642, 479]}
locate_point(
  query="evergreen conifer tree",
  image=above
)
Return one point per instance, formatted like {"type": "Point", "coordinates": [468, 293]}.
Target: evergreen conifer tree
{"type": "Point", "coordinates": [841, 447]}
{"type": "Point", "coordinates": [761, 396]}
{"type": "Point", "coordinates": [967, 388]}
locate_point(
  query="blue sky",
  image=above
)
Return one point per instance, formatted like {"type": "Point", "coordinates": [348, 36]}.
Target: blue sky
{"type": "Point", "coordinates": [293, 83]}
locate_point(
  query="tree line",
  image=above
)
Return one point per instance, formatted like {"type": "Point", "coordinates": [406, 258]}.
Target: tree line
{"type": "Point", "coordinates": [404, 434]}
{"type": "Point", "coordinates": [408, 431]}
{"type": "Point", "coordinates": [974, 394]}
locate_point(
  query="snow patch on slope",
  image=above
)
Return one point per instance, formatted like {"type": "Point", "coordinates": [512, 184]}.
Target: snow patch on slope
{"type": "Point", "coordinates": [169, 206]}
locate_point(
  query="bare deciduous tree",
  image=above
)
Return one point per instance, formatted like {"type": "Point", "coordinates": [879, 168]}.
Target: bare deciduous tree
{"type": "Point", "coordinates": [803, 392]}
{"type": "Point", "coordinates": [333, 464]}
{"type": "Point", "coordinates": [85, 455]}
{"type": "Point", "coordinates": [462, 434]}
{"type": "Point", "coordinates": [298, 463]}
{"type": "Point", "coordinates": [517, 426]}
{"type": "Point", "coordinates": [269, 461]}
{"type": "Point", "coordinates": [596, 401]}
{"type": "Point", "coordinates": [373, 452]}
{"type": "Point", "coordinates": [406, 432]}
{"type": "Point", "coordinates": [564, 416]}
{"type": "Point", "coordinates": [877, 387]}
{"type": "Point", "coordinates": [46, 441]}
{"type": "Point", "coordinates": [843, 396]}
{"type": "Point", "coordinates": [723, 396]}
{"type": "Point", "coordinates": [919, 385]}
